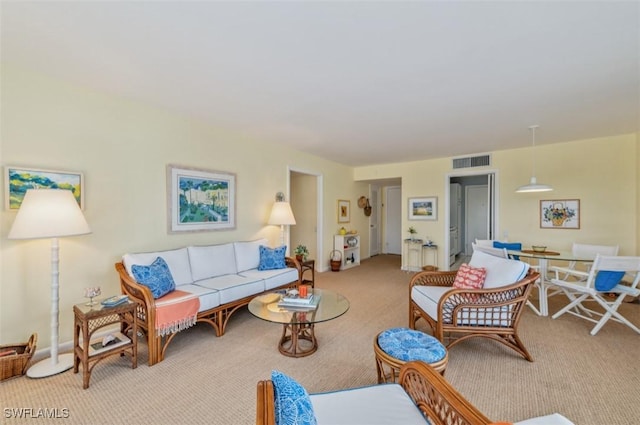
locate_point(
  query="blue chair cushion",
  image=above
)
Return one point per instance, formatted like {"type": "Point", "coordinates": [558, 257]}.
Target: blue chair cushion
{"type": "Point", "coordinates": [607, 280]}
{"type": "Point", "coordinates": [513, 246]}
{"type": "Point", "coordinates": [292, 404]}
{"type": "Point", "coordinates": [156, 276]}
{"type": "Point", "coordinates": [409, 345]}
{"type": "Point", "coordinates": [272, 258]}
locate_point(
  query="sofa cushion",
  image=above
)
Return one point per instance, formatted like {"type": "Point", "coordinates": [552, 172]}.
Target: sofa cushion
{"type": "Point", "coordinates": [373, 405]}
{"type": "Point", "coordinates": [176, 259]}
{"type": "Point", "coordinates": [233, 287]}
{"type": "Point", "coordinates": [209, 298]}
{"type": "Point", "coordinates": [554, 419]}
{"type": "Point", "coordinates": [211, 261]}
{"type": "Point", "coordinates": [273, 278]}
{"type": "Point", "coordinates": [272, 258]}
{"type": "Point", "coordinates": [500, 271]}
{"type": "Point", "coordinates": [292, 404]}
{"type": "Point", "coordinates": [156, 276]}
{"type": "Point", "coordinates": [248, 254]}
{"type": "Point", "coordinates": [470, 277]}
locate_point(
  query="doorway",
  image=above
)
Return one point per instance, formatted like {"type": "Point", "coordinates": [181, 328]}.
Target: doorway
{"type": "Point", "coordinates": [393, 220]}
{"type": "Point", "coordinates": [476, 209]}
{"type": "Point", "coordinates": [374, 221]}
{"type": "Point", "coordinates": [306, 204]}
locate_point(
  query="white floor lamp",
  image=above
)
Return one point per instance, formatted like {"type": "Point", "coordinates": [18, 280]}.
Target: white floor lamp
{"type": "Point", "coordinates": [50, 213]}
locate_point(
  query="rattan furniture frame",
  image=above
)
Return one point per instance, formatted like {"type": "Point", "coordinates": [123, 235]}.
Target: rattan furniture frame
{"type": "Point", "coordinates": [388, 367]}
{"type": "Point", "coordinates": [216, 317]}
{"type": "Point", "coordinates": [88, 320]}
{"type": "Point", "coordinates": [498, 310]}
{"type": "Point", "coordinates": [438, 401]}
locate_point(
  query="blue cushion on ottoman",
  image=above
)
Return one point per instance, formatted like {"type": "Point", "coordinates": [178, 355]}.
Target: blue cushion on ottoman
{"type": "Point", "coordinates": [409, 345]}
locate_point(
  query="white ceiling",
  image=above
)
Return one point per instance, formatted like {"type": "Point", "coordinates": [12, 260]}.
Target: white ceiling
{"type": "Point", "coordinates": [353, 81]}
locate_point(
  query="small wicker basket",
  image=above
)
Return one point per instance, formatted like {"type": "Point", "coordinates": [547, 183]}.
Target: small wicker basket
{"type": "Point", "coordinates": [336, 260]}
{"type": "Point", "coordinates": [17, 364]}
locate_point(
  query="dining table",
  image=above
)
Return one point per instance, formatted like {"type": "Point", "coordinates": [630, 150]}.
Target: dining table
{"type": "Point", "coordinates": [544, 283]}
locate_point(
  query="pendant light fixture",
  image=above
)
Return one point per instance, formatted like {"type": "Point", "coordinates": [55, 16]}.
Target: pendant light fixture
{"type": "Point", "coordinates": [533, 185]}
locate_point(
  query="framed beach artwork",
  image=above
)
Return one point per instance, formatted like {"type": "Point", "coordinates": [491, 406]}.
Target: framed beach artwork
{"type": "Point", "coordinates": [423, 208]}
{"type": "Point", "coordinates": [560, 214]}
{"type": "Point", "coordinates": [20, 179]}
{"type": "Point", "coordinates": [344, 211]}
{"type": "Point", "coordinates": [200, 200]}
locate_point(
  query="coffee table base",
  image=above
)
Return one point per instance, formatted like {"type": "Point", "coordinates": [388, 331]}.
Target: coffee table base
{"type": "Point", "coordinates": [298, 340]}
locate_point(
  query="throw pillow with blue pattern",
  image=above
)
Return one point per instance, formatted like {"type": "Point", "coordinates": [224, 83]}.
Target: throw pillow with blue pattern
{"type": "Point", "coordinates": [156, 276]}
{"type": "Point", "coordinates": [292, 403]}
{"type": "Point", "coordinates": [272, 258]}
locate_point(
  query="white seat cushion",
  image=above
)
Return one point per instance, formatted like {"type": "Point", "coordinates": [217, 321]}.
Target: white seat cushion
{"type": "Point", "coordinates": [273, 278]}
{"type": "Point", "coordinates": [209, 298]}
{"type": "Point", "coordinates": [375, 405]}
{"type": "Point", "coordinates": [554, 419]}
{"type": "Point", "coordinates": [233, 287]}
{"type": "Point", "coordinates": [500, 271]}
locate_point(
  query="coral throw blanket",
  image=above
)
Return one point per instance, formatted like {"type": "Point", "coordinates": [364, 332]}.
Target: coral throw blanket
{"type": "Point", "coordinates": [176, 311]}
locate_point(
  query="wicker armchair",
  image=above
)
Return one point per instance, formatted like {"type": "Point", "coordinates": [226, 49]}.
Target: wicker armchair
{"type": "Point", "coordinates": [467, 313]}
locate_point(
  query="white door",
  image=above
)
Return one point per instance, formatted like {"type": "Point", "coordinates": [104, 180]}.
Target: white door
{"type": "Point", "coordinates": [393, 221]}
{"type": "Point", "coordinates": [477, 214]}
{"type": "Point", "coordinates": [374, 225]}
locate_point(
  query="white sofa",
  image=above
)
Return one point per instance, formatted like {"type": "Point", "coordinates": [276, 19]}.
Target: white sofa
{"type": "Point", "coordinates": [422, 396]}
{"type": "Point", "coordinates": [224, 277]}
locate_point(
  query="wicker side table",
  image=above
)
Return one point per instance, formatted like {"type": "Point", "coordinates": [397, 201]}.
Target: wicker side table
{"type": "Point", "coordinates": [395, 347]}
{"type": "Point", "coordinates": [308, 266]}
{"type": "Point", "coordinates": [88, 320]}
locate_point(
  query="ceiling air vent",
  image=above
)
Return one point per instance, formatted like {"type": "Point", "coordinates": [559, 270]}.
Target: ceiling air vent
{"type": "Point", "coordinates": [472, 161]}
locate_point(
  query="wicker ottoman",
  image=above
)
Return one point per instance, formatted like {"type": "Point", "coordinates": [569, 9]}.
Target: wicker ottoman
{"type": "Point", "coordinates": [394, 347]}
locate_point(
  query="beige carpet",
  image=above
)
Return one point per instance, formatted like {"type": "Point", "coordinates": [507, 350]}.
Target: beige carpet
{"type": "Point", "coordinates": [210, 380]}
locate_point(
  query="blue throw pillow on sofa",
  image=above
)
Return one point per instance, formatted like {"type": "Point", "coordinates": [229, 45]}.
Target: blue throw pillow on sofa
{"type": "Point", "coordinates": [512, 246]}
{"type": "Point", "coordinates": [606, 280]}
{"type": "Point", "coordinates": [272, 258]}
{"type": "Point", "coordinates": [292, 403]}
{"type": "Point", "coordinates": [156, 276]}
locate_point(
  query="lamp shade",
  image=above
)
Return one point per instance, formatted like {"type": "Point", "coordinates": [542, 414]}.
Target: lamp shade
{"type": "Point", "coordinates": [48, 213]}
{"type": "Point", "coordinates": [533, 186]}
{"type": "Point", "coordinates": [281, 214]}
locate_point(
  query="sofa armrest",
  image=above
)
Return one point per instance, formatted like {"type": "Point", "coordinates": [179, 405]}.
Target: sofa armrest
{"type": "Point", "coordinates": [439, 402]}
{"type": "Point", "coordinates": [137, 292]}
{"type": "Point", "coordinates": [265, 404]}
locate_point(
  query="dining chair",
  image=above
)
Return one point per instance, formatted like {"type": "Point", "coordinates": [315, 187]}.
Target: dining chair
{"type": "Point", "coordinates": [580, 250]}
{"type": "Point", "coordinates": [605, 278]}
{"type": "Point", "coordinates": [489, 249]}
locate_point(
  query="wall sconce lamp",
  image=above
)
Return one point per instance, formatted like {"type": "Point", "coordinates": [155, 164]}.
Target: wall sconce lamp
{"type": "Point", "coordinates": [281, 215]}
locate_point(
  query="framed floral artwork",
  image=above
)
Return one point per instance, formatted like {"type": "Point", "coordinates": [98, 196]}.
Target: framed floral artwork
{"type": "Point", "coordinates": [344, 211]}
{"type": "Point", "coordinates": [20, 179]}
{"type": "Point", "coordinates": [423, 208]}
{"type": "Point", "coordinates": [200, 200]}
{"type": "Point", "coordinates": [560, 214]}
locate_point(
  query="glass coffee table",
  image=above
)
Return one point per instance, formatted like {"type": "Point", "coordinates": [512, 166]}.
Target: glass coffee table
{"type": "Point", "coordinates": [298, 324]}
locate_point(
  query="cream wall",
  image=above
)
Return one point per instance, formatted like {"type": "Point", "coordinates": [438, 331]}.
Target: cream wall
{"type": "Point", "coordinates": [602, 173]}
{"type": "Point", "coordinates": [123, 149]}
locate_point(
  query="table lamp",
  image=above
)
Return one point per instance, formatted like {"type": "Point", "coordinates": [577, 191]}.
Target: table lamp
{"type": "Point", "coordinates": [281, 215]}
{"type": "Point", "coordinates": [50, 213]}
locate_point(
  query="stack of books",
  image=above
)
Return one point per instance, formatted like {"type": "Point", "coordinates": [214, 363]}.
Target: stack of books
{"type": "Point", "coordinates": [310, 302]}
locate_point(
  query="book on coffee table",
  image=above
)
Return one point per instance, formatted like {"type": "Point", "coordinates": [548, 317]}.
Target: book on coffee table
{"type": "Point", "coordinates": [298, 305]}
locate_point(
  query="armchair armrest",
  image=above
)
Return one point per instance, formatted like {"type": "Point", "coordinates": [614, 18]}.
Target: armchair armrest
{"type": "Point", "coordinates": [580, 275]}
{"type": "Point", "coordinates": [433, 279]}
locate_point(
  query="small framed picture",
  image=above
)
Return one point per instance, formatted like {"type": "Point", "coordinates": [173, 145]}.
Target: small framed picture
{"type": "Point", "coordinates": [344, 211]}
{"type": "Point", "coordinates": [20, 179]}
{"type": "Point", "coordinates": [423, 208]}
{"type": "Point", "coordinates": [560, 214]}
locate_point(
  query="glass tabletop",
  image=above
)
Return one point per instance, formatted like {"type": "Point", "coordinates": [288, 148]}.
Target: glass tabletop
{"type": "Point", "coordinates": [551, 255]}
{"type": "Point", "coordinates": [330, 305]}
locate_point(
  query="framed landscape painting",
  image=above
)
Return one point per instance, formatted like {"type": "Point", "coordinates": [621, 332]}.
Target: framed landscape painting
{"type": "Point", "coordinates": [423, 208]}
{"type": "Point", "coordinates": [20, 179]}
{"type": "Point", "coordinates": [200, 200]}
